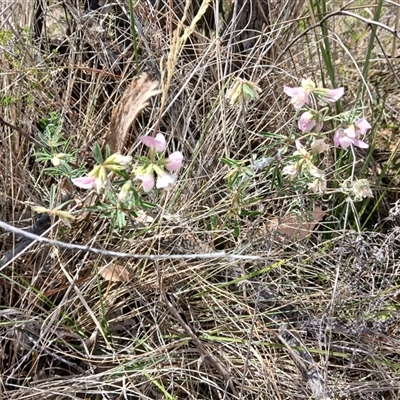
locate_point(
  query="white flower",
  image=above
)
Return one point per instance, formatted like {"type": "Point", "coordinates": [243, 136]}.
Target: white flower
{"type": "Point", "coordinates": [318, 185]}
{"type": "Point", "coordinates": [164, 180]}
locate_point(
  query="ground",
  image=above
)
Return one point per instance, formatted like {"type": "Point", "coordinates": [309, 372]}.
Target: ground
{"type": "Point", "coordinates": [269, 269]}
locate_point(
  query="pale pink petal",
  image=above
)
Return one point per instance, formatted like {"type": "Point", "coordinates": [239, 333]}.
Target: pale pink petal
{"type": "Point", "coordinates": [174, 161]}
{"type": "Point", "coordinates": [291, 91]}
{"type": "Point", "coordinates": [334, 94]}
{"type": "Point", "coordinates": [161, 138]}
{"type": "Point", "coordinates": [339, 134]}
{"type": "Point", "coordinates": [350, 131]}
{"type": "Point", "coordinates": [147, 181]}
{"type": "Point", "coordinates": [360, 144]}
{"type": "Point", "coordinates": [85, 182]}
{"type": "Point", "coordinates": [306, 122]}
{"type": "Point", "coordinates": [341, 139]}
{"type": "Point", "coordinates": [157, 143]}
{"type": "Point", "coordinates": [362, 126]}
{"type": "Point", "coordinates": [345, 142]}
{"type": "Point", "coordinates": [299, 96]}
{"type": "Point", "coordinates": [329, 95]}
{"type": "Point", "coordinates": [164, 180]}
{"type": "Point", "coordinates": [319, 127]}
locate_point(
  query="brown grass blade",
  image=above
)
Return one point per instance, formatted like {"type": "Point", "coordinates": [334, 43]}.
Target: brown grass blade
{"type": "Point", "coordinates": [134, 100]}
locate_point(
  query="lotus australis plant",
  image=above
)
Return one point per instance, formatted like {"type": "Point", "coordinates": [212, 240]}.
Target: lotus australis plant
{"type": "Point", "coordinates": [350, 132]}
{"type": "Point", "coordinates": [116, 177]}
{"type": "Point", "coordinates": [304, 161]}
{"type": "Point", "coordinates": [312, 120]}
{"type": "Point", "coordinates": [153, 171]}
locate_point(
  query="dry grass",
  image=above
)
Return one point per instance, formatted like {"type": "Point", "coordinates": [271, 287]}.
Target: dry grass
{"type": "Point", "coordinates": [312, 318]}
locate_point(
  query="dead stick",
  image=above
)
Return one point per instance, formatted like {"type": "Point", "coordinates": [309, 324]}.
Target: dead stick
{"type": "Point", "coordinates": [21, 132]}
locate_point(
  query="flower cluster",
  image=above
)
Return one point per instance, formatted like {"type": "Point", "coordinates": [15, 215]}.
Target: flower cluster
{"type": "Point", "coordinates": [243, 91]}
{"type": "Point", "coordinates": [152, 173]}
{"type": "Point", "coordinates": [305, 164]}
{"type": "Point", "coordinates": [301, 96]}
{"type": "Point", "coordinates": [350, 132]}
{"type": "Point", "coordinates": [304, 158]}
{"type": "Point", "coordinates": [122, 181]}
{"type": "Point", "coordinates": [352, 135]}
{"type": "Point", "coordinates": [98, 177]}
{"type": "Point", "coordinates": [312, 120]}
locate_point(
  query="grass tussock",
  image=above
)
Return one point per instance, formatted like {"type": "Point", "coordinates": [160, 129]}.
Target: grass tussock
{"type": "Point", "coordinates": [239, 281]}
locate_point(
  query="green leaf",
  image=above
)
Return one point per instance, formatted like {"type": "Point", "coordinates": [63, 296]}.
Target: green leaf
{"type": "Point", "coordinates": [52, 196]}
{"type": "Point", "coordinates": [121, 219]}
{"type": "Point", "coordinates": [232, 163]}
{"type": "Point", "coordinates": [236, 228]}
{"type": "Point", "coordinates": [108, 152]}
{"type": "Point", "coordinates": [97, 154]}
{"type": "Point", "coordinates": [247, 90]}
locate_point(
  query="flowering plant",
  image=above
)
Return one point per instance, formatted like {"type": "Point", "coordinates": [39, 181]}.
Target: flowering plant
{"type": "Point", "coordinates": [301, 96]}
{"type": "Point", "coordinates": [98, 178]}
{"type": "Point", "coordinates": [352, 135]}
{"type": "Point", "coordinates": [155, 170]}
{"type": "Point", "coordinates": [350, 132]}
{"type": "Point", "coordinates": [152, 172]}
{"type": "Point", "coordinates": [147, 172]}
{"type": "Point", "coordinates": [313, 119]}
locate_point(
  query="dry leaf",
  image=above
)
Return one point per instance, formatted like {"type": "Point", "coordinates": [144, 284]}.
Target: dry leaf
{"type": "Point", "coordinates": [294, 227]}
{"type": "Point", "coordinates": [114, 273]}
{"type": "Point", "coordinates": [133, 101]}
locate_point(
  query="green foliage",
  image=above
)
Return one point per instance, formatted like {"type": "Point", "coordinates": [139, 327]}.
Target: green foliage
{"type": "Point", "coordinates": [7, 100]}
{"type": "Point", "coordinates": [57, 150]}
{"type": "Point", "coordinates": [345, 168]}
{"type": "Point", "coordinates": [97, 153]}
{"type": "Point", "coordinates": [5, 37]}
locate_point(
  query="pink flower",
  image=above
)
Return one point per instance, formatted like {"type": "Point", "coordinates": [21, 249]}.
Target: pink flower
{"type": "Point", "coordinates": [158, 143]}
{"type": "Point", "coordinates": [352, 135]}
{"type": "Point", "coordinates": [361, 126]}
{"type": "Point", "coordinates": [329, 95]}
{"type": "Point", "coordinates": [299, 96]}
{"type": "Point", "coordinates": [147, 179]}
{"type": "Point", "coordinates": [174, 161]}
{"type": "Point", "coordinates": [308, 121]}
{"type": "Point", "coordinates": [85, 182]}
